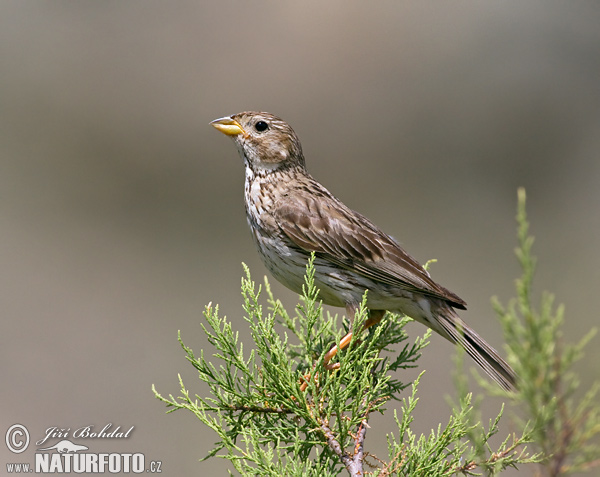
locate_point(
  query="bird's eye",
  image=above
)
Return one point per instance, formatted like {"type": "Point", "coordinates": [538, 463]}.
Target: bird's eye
{"type": "Point", "coordinates": [261, 126]}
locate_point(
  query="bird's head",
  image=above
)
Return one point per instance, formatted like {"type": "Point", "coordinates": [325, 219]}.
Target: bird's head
{"type": "Point", "coordinates": [265, 142]}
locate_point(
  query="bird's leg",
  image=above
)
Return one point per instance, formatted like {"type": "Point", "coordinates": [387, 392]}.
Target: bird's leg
{"type": "Point", "coordinates": [375, 317]}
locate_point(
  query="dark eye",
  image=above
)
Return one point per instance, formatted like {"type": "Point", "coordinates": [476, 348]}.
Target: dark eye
{"type": "Point", "coordinates": [261, 126]}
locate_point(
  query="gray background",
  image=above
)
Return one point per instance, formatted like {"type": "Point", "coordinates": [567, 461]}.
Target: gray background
{"type": "Point", "coordinates": [121, 210]}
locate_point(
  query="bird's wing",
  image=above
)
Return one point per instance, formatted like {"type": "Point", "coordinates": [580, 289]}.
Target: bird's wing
{"type": "Point", "coordinates": [315, 221]}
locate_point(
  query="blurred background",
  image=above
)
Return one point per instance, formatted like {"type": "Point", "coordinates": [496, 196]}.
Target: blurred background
{"type": "Point", "coordinates": [121, 209]}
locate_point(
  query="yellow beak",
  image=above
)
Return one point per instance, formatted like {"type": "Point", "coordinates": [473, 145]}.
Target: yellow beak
{"type": "Point", "coordinates": [228, 126]}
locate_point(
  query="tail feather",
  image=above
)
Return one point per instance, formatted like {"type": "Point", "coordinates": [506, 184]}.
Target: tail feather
{"type": "Point", "coordinates": [482, 353]}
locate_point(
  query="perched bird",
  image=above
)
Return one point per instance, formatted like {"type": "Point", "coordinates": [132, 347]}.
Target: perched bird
{"type": "Point", "coordinates": [292, 215]}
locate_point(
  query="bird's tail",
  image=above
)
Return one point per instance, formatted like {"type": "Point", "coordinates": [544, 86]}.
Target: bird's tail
{"type": "Point", "coordinates": [457, 331]}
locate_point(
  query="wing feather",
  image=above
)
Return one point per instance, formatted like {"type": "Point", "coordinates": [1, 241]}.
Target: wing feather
{"type": "Point", "coordinates": [316, 221]}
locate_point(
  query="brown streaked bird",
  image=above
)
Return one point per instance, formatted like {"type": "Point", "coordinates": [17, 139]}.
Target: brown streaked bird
{"type": "Point", "coordinates": [291, 215]}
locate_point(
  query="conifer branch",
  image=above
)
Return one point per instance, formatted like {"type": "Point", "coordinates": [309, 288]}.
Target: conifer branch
{"type": "Point", "coordinates": [277, 411]}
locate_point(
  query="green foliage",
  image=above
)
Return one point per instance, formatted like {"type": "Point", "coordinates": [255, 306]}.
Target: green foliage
{"type": "Point", "coordinates": [565, 428]}
{"type": "Point", "coordinates": [462, 447]}
{"type": "Point", "coordinates": [256, 397]}
{"type": "Point", "coordinates": [267, 425]}
{"type": "Point", "coordinates": [277, 411]}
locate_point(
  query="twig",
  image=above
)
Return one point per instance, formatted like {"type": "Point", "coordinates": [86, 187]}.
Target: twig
{"type": "Point", "coordinates": [261, 409]}
{"type": "Point", "coordinates": [353, 463]}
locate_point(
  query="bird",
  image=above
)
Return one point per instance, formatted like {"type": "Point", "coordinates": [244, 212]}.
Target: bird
{"type": "Point", "coordinates": [292, 216]}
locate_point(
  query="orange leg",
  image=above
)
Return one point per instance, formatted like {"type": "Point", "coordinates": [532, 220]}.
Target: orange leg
{"type": "Point", "coordinates": [375, 317]}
